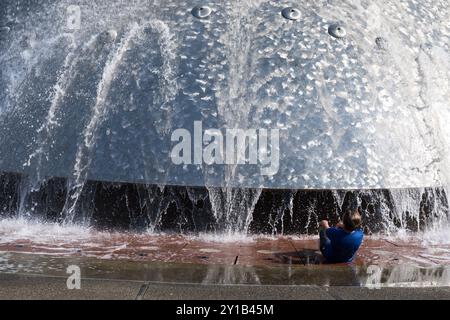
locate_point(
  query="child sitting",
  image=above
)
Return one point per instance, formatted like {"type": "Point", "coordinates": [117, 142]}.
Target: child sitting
{"type": "Point", "coordinates": [340, 244]}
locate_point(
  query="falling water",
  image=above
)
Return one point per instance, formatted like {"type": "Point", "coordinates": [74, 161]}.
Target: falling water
{"type": "Point", "coordinates": [100, 109]}
{"type": "Point", "coordinates": [65, 80]}
{"type": "Point", "coordinates": [406, 202]}
{"type": "Point", "coordinates": [233, 207]}
{"type": "Point", "coordinates": [360, 116]}
{"type": "Point", "coordinates": [83, 157]}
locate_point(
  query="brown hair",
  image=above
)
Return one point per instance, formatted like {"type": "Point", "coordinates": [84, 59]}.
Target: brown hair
{"type": "Point", "coordinates": [352, 219]}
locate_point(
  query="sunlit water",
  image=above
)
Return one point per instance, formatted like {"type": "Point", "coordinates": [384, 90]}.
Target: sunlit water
{"type": "Point", "coordinates": [102, 102]}
{"type": "Point", "coordinates": [25, 230]}
{"type": "Point", "coordinates": [422, 260]}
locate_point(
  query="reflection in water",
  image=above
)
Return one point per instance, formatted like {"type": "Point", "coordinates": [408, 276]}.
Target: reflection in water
{"type": "Point", "coordinates": [371, 277]}
{"type": "Point", "coordinates": [223, 274]}
{"type": "Point", "coordinates": [407, 276]}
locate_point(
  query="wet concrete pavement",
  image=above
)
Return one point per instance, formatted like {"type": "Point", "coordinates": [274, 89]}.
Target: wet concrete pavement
{"type": "Point", "coordinates": [26, 287]}
{"type": "Point", "coordinates": [124, 266]}
{"type": "Point", "coordinates": [258, 251]}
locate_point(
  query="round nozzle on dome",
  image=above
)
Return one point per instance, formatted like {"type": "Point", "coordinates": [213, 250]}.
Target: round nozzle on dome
{"type": "Point", "coordinates": [337, 31]}
{"type": "Point", "coordinates": [201, 12]}
{"type": "Point", "coordinates": [291, 13]}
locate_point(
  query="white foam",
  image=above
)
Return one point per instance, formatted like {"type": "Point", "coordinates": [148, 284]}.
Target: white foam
{"type": "Point", "coordinates": [438, 236]}
{"type": "Point", "coordinates": [42, 233]}
{"type": "Point", "coordinates": [222, 238]}
{"type": "Point", "coordinates": [12, 230]}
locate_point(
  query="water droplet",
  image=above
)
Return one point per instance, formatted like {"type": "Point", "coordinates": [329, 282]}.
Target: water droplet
{"type": "Point", "coordinates": [382, 43]}
{"type": "Point", "coordinates": [4, 30]}
{"type": "Point", "coordinates": [266, 252]}
{"type": "Point", "coordinates": [291, 13]}
{"type": "Point", "coordinates": [201, 12]}
{"type": "Point", "coordinates": [337, 31]}
{"type": "Point", "coordinates": [108, 36]}
{"type": "Point", "coordinates": [112, 34]}
{"type": "Point", "coordinates": [210, 250]}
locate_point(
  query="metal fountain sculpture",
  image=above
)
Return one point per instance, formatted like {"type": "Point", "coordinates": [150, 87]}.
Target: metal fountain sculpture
{"type": "Point", "coordinates": [349, 98]}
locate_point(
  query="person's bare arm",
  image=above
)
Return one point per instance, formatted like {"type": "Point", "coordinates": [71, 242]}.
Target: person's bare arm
{"type": "Point", "coordinates": [324, 225]}
{"type": "Point", "coordinates": [340, 225]}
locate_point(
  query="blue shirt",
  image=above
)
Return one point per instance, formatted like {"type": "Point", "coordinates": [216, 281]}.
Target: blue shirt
{"type": "Point", "coordinates": [343, 245]}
